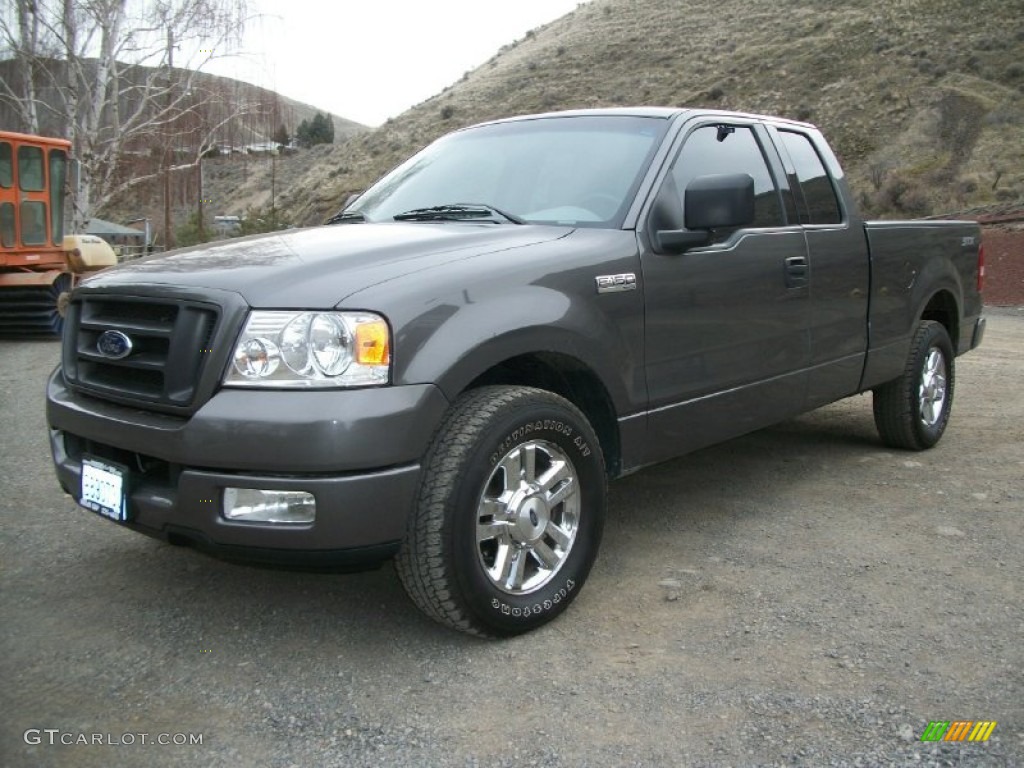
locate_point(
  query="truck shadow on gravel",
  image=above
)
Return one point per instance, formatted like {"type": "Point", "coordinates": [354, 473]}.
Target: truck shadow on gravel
{"type": "Point", "coordinates": [209, 598]}
{"type": "Point", "coordinates": [237, 607]}
{"type": "Point", "coordinates": [789, 453]}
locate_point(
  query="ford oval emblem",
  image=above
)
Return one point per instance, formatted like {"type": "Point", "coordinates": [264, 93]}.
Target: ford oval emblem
{"type": "Point", "coordinates": [114, 344]}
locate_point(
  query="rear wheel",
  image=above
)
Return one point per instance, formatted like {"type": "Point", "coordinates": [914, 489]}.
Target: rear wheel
{"type": "Point", "coordinates": [509, 515]}
{"type": "Point", "coordinates": [912, 411]}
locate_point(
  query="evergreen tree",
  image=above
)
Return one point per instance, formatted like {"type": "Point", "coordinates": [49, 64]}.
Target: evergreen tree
{"type": "Point", "coordinates": [323, 129]}
{"type": "Point", "coordinates": [281, 136]}
{"type": "Point", "coordinates": [319, 130]}
{"type": "Point", "coordinates": [304, 134]}
{"type": "Point", "coordinates": [192, 232]}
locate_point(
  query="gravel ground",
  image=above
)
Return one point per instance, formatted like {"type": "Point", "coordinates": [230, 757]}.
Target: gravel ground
{"type": "Point", "coordinates": [801, 596]}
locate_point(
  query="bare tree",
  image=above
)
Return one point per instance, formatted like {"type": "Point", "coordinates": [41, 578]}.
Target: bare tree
{"type": "Point", "coordinates": [997, 168]}
{"type": "Point", "coordinates": [880, 165]}
{"type": "Point", "coordinates": [117, 78]}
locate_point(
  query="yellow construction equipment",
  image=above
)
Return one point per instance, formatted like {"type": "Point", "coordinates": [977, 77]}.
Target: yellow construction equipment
{"type": "Point", "coordinates": [39, 266]}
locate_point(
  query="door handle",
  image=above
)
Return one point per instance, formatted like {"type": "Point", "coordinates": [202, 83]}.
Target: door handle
{"type": "Point", "coordinates": [796, 271]}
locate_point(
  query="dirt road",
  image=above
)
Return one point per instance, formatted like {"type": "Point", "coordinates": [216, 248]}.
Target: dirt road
{"type": "Point", "coordinates": [800, 596]}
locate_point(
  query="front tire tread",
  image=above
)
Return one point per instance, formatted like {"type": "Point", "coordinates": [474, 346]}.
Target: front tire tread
{"type": "Point", "coordinates": [421, 561]}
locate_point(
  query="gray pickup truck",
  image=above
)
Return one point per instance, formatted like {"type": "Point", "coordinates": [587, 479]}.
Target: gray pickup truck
{"type": "Point", "coordinates": [451, 371]}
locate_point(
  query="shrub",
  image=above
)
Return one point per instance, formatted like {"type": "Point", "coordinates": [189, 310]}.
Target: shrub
{"type": "Point", "coordinates": [1004, 115]}
{"type": "Point", "coordinates": [191, 233]}
{"type": "Point", "coordinates": [259, 220]}
{"type": "Point", "coordinates": [903, 195]}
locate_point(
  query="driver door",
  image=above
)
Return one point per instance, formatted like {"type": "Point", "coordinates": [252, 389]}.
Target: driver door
{"type": "Point", "coordinates": [727, 325]}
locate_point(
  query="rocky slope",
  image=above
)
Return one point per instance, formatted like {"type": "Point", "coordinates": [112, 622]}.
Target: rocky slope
{"type": "Point", "coordinates": [923, 99]}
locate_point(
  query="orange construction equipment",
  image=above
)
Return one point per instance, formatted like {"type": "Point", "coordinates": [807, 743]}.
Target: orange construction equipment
{"type": "Point", "coordinates": [38, 266]}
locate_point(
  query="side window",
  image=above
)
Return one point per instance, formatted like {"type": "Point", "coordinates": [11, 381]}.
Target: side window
{"type": "Point", "coordinates": [30, 169]}
{"type": "Point", "coordinates": [7, 225]}
{"type": "Point", "coordinates": [58, 170]}
{"type": "Point", "coordinates": [730, 149]}
{"type": "Point", "coordinates": [33, 223]}
{"type": "Point", "coordinates": [819, 194]}
{"type": "Point", "coordinates": [6, 170]}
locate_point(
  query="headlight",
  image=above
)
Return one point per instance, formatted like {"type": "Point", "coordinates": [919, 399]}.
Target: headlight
{"type": "Point", "coordinates": [311, 349]}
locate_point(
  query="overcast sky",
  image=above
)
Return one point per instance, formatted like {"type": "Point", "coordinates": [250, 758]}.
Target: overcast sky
{"type": "Point", "coordinates": [373, 59]}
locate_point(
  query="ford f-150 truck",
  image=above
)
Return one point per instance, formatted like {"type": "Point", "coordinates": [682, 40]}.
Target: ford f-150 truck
{"type": "Point", "coordinates": [451, 370]}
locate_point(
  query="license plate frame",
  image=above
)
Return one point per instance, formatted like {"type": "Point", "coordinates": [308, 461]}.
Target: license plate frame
{"type": "Point", "coordinates": [104, 489]}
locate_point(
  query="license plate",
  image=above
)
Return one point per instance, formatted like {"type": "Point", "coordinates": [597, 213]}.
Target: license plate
{"type": "Point", "coordinates": [104, 489]}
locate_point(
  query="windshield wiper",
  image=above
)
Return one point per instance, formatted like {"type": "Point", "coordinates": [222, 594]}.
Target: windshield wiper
{"type": "Point", "coordinates": [455, 212]}
{"type": "Point", "coordinates": [349, 217]}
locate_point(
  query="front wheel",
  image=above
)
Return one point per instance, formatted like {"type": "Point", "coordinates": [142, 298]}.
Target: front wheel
{"type": "Point", "coordinates": [509, 515]}
{"type": "Point", "coordinates": [912, 411]}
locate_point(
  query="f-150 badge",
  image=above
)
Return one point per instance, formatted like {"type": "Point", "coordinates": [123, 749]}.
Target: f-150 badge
{"type": "Point", "coordinates": [614, 283]}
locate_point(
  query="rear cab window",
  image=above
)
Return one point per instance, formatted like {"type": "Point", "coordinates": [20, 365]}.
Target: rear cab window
{"type": "Point", "coordinates": [820, 203]}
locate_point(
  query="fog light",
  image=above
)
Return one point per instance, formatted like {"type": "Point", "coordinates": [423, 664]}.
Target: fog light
{"type": "Point", "coordinates": [249, 505]}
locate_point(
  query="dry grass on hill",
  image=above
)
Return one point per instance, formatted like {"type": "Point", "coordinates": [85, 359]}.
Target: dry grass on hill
{"type": "Point", "coordinates": [923, 99]}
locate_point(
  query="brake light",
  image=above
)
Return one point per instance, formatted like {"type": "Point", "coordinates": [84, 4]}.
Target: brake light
{"type": "Point", "coordinates": [981, 268]}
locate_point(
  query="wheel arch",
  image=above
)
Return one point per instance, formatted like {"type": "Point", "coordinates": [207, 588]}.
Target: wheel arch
{"type": "Point", "coordinates": [534, 336]}
{"type": "Point", "coordinates": [568, 377]}
{"type": "Point", "coordinates": [944, 309]}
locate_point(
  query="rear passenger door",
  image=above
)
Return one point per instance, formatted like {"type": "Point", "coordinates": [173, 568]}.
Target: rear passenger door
{"type": "Point", "coordinates": [838, 265]}
{"type": "Point", "coordinates": [727, 326]}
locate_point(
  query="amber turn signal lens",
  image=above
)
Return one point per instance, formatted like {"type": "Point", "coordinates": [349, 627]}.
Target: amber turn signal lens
{"type": "Point", "coordinates": [373, 343]}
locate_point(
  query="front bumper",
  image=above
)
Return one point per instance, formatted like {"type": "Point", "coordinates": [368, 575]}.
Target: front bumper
{"type": "Point", "coordinates": [356, 451]}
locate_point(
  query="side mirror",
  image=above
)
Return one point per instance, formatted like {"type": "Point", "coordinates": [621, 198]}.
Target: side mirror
{"type": "Point", "coordinates": [723, 201]}
{"type": "Point", "coordinates": [720, 202]}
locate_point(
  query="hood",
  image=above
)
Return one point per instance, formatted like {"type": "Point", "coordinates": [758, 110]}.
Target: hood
{"type": "Point", "coordinates": [317, 268]}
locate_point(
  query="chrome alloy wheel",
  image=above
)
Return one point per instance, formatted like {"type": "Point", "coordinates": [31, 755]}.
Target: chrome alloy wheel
{"type": "Point", "coordinates": [528, 517]}
{"type": "Point", "coordinates": [932, 390]}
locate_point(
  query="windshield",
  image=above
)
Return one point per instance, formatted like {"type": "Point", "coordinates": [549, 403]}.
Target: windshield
{"type": "Point", "coordinates": [580, 171]}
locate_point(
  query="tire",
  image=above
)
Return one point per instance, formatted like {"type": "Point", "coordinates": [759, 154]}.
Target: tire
{"type": "Point", "coordinates": [911, 412]}
{"type": "Point", "coordinates": [486, 551]}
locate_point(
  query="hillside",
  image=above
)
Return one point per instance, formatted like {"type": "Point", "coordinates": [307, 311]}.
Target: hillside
{"type": "Point", "coordinates": [245, 115]}
{"type": "Point", "coordinates": [923, 99]}
{"type": "Point", "coordinates": [258, 111]}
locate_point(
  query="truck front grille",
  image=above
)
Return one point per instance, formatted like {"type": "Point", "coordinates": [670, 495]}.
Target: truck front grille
{"type": "Point", "coordinates": [169, 344]}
